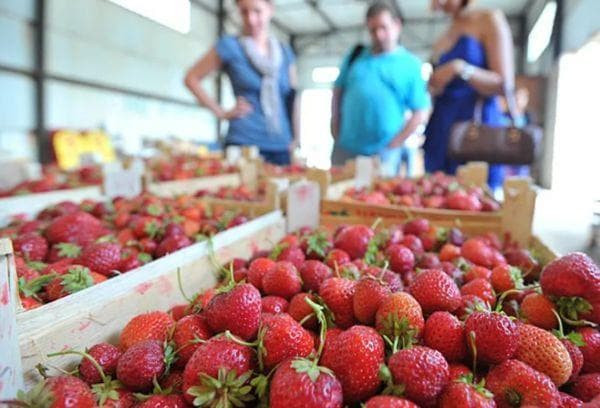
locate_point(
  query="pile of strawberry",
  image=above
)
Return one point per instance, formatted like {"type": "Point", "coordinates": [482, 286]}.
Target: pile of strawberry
{"type": "Point", "coordinates": [437, 190]}
{"type": "Point", "coordinates": [389, 318]}
{"type": "Point", "coordinates": [186, 167]}
{"type": "Point", "coordinates": [54, 179]}
{"type": "Point", "coordinates": [239, 193]}
{"type": "Point", "coordinates": [70, 247]}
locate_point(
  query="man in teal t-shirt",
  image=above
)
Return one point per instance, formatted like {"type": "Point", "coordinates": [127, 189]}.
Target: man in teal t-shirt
{"type": "Point", "coordinates": [380, 97]}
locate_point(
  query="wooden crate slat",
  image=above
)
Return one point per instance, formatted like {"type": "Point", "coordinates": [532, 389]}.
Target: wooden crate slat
{"type": "Point", "coordinates": [191, 186]}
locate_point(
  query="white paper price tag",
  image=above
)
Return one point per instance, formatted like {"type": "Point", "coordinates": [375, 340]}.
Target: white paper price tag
{"type": "Point", "coordinates": [282, 183]}
{"type": "Point", "coordinates": [13, 173]}
{"type": "Point", "coordinates": [233, 154]}
{"type": "Point", "coordinates": [366, 171]}
{"type": "Point", "coordinates": [250, 152]}
{"type": "Point", "coordinates": [121, 182]}
{"type": "Point", "coordinates": [303, 205]}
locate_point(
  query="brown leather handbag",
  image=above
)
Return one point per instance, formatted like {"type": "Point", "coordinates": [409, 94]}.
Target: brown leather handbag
{"type": "Point", "coordinates": [475, 141]}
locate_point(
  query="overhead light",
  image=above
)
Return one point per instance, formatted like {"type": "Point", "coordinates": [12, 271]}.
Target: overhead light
{"type": "Point", "coordinates": [325, 75]}
{"type": "Point", "coordinates": [174, 14]}
{"type": "Point", "coordinates": [541, 33]}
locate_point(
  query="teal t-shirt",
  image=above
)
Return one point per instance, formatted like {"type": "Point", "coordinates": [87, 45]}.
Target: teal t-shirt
{"type": "Point", "coordinates": [377, 90]}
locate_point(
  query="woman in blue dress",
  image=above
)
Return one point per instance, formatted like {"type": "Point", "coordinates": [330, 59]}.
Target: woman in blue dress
{"type": "Point", "coordinates": [262, 72]}
{"type": "Point", "coordinates": [472, 61]}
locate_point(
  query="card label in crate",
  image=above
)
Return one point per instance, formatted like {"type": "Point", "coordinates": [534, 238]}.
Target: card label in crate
{"type": "Point", "coordinates": [123, 182]}
{"type": "Point", "coordinates": [282, 183]}
{"type": "Point", "coordinates": [233, 154]}
{"type": "Point", "coordinates": [366, 171]}
{"type": "Point", "coordinates": [303, 205]}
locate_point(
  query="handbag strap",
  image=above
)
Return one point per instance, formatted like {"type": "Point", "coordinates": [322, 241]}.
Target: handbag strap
{"type": "Point", "coordinates": [511, 104]}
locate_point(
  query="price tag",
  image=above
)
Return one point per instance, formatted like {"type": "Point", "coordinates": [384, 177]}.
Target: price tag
{"type": "Point", "coordinates": [11, 378]}
{"type": "Point", "coordinates": [366, 171]}
{"type": "Point", "coordinates": [249, 174]}
{"type": "Point", "coordinates": [233, 154]}
{"type": "Point", "coordinates": [250, 152]}
{"type": "Point", "coordinates": [303, 205]}
{"type": "Point", "coordinates": [13, 173]}
{"type": "Point", "coordinates": [282, 183]}
{"type": "Point", "coordinates": [121, 182]}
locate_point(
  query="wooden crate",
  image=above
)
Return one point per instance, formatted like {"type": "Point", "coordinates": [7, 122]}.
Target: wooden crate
{"type": "Point", "coordinates": [191, 186]}
{"type": "Point", "coordinates": [270, 202]}
{"type": "Point", "coordinates": [100, 312]}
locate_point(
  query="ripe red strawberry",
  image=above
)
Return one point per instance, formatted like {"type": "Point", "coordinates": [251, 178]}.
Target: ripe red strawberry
{"type": "Point", "coordinates": [463, 393]}
{"type": "Point", "coordinates": [257, 269]}
{"type": "Point", "coordinates": [481, 288]}
{"type": "Point", "coordinates": [478, 252]}
{"type": "Point", "coordinates": [64, 391]}
{"type": "Point", "coordinates": [313, 273]}
{"type": "Point", "coordinates": [422, 371]}
{"type": "Point", "coordinates": [282, 280]}
{"type": "Point", "coordinates": [495, 336]}
{"type": "Point", "coordinates": [222, 360]}
{"type": "Point", "coordinates": [274, 304]}
{"type": "Point", "coordinates": [299, 309]}
{"type": "Point", "coordinates": [388, 401]}
{"type": "Point", "coordinates": [174, 381]}
{"type": "Point", "coordinates": [591, 350]}
{"type": "Point", "coordinates": [435, 290]}
{"type": "Point", "coordinates": [401, 258]}
{"type": "Point", "coordinates": [475, 272]}
{"type": "Point", "coordinates": [445, 333]}
{"type": "Point", "coordinates": [32, 246]}
{"type": "Point", "coordinates": [292, 254]}
{"type": "Point", "coordinates": [359, 351]}
{"type": "Point", "coordinates": [354, 240]}
{"type": "Point", "coordinates": [124, 399]}
{"type": "Point", "coordinates": [75, 279]}
{"type": "Point", "coordinates": [188, 331]}
{"type": "Point", "coordinates": [336, 258]}
{"type": "Point", "coordinates": [514, 383]}
{"type": "Point", "coordinates": [449, 253]}
{"type": "Point", "coordinates": [164, 401]}
{"type": "Point", "coordinates": [391, 279]}
{"type": "Point", "coordinates": [63, 250]}
{"type": "Point", "coordinates": [147, 326]}
{"type": "Point", "coordinates": [506, 277]}
{"type": "Point", "coordinates": [140, 364]}
{"type": "Point", "coordinates": [413, 243]}
{"type": "Point", "coordinates": [574, 352]}
{"type": "Point", "coordinates": [569, 401]}
{"type": "Point", "coordinates": [171, 244]}
{"type": "Point", "coordinates": [338, 294]}
{"type": "Point", "coordinates": [102, 257]}
{"type": "Point", "coordinates": [537, 309]}
{"type": "Point", "coordinates": [586, 387]}
{"type": "Point", "coordinates": [106, 355]}
{"type": "Point", "coordinates": [544, 352]}
{"type": "Point", "coordinates": [77, 228]}
{"type": "Point", "coordinates": [145, 227]}
{"type": "Point", "coordinates": [314, 387]}
{"type": "Point", "coordinates": [370, 292]}
{"type": "Point", "coordinates": [236, 310]}
{"type": "Point", "coordinates": [282, 337]}
{"type": "Point", "coordinates": [316, 245]}
{"type": "Point", "coordinates": [400, 315]}
{"type": "Point", "coordinates": [417, 226]}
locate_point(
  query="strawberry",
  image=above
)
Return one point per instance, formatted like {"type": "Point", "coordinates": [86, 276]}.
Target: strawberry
{"type": "Point", "coordinates": [171, 244]}
{"type": "Point", "coordinates": [435, 290]}
{"type": "Point", "coordinates": [456, 371]}
{"type": "Point", "coordinates": [392, 280]}
{"type": "Point", "coordinates": [492, 337]}
{"type": "Point", "coordinates": [481, 288]}
{"type": "Point", "coordinates": [514, 383]}
{"type": "Point", "coordinates": [63, 250]}
{"type": "Point", "coordinates": [401, 258]}
{"type": "Point", "coordinates": [188, 333]}
{"type": "Point", "coordinates": [388, 401]}
{"type": "Point", "coordinates": [591, 350]}
{"type": "Point", "coordinates": [257, 269]}
{"type": "Point", "coordinates": [400, 315]}
{"type": "Point", "coordinates": [74, 280]}
{"type": "Point", "coordinates": [370, 292]}
{"type": "Point", "coordinates": [506, 277]}
{"type": "Point", "coordinates": [101, 257]}
{"type": "Point", "coordinates": [478, 252]}
{"type": "Point", "coordinates": [338, 294]}
{"type": "Point", "coordinates": [571, 344]}
{"type": "Point", "coordinates": [413, 243]}
{"type": "Point", "coordinates": [237, 309]}
{"type": "Point", "coordinates": [449, 253]}
{"type": "Point", "coordinates": [574, 280]}
{"type": "Point", "coordinates": [121, 398]}
{"type": "Point", "coordinates": [77, 228]}
{"type": "Point", "coordinates": [173, 381]}
{"type": "Point", "coordinates": [164, 401]}
{"type": "Point", "coordinates": [281, 337]}
{"type": "Point", "coordinates": [274, 304]}
{"type": "Point", "coordinates": [354, 240]}
{"type": "Point", "coordinates": [313, 273]}
{"type": "Point", "coordinates": [445, 333]}
{"type": "Point", "coordinates": [418, 226]}
{"type": "Point", "coordinates": [314, 387]}
{"type": "Point", "coordinates": [336, 258]}
{"type": "Point", "coordinates": [569, 401]}
{"type": "Point", "coordinates": [31, 246]}
{"type": "Point", "coordinates": [59, 392]}
{"type": "Point", "coordinates": [544, 352]}
{"type": "Point", "coordinates": [140, 364]}
{"type": "Point", "coordinates": [538, 309]}
{"type": "Point", "coordinates": [316, 245]}
{"type": "Point", "coordinates": [217, 373]}
{"type": "Point", "coordinates": [463, 393]}
{"type": "Point", "coordinates": [300, 310]}
{"type": "Point", "coordinates": [586, 387]}
{"type": "Point", "coordinates": [428, 260]}
{"type": "Point", "coordinates": [421, 371]}
{"type": "Point", "coordinates": [476, 272]}
{"type": "Point", "coordinates": [359, 351]}
{"type": "Point", "coordinates": [522, 259]}
{"type": "Point", "coordinates": [292, 254]}
{"type": "Point", "coordinates": [106, 355]}
{"type": "Point", "coordinates": [147, 326]}
{"type": "Point", "coordinates": [282, 280]}
{"type": "Point", "coordinates": [145, 227]}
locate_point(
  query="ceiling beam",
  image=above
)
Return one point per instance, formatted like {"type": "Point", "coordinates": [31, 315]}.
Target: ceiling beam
{"type": "Point", "coordinates": [314, 4]}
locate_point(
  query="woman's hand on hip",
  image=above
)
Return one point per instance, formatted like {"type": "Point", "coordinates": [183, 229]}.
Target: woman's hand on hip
{"type": "Point", "coordinates": [242, 108]}
{"type": "Point", "coordinates": [444, 74]}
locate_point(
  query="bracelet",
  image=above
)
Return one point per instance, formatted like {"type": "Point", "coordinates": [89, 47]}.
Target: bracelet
{"type": "Point", "coordinates": [467, 72]}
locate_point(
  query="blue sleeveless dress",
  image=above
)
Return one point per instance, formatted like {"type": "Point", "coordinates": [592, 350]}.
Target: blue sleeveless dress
{"type": "Point", "coordinates": [457, 104]}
